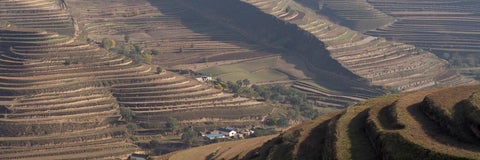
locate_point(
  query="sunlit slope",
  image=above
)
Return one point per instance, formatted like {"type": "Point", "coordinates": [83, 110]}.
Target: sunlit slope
{"type": "Point", "coordinates": [431, 124]}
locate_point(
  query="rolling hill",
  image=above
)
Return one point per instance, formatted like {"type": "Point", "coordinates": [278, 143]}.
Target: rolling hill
{"type": "Point", "coordinates": [427, 124]}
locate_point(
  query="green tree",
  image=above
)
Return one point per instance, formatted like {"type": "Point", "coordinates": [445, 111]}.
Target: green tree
{"type": "Point", "coordinates": [239, 82]}
{"type": "Point", "coordinates": [172, 123]}
{"type": "Point", "coordinates": [190, 136]}
{"type": "Point", "coordinates": [246, 82]}
{"type": "Point", "coordinates": [271, 121]}
{"type": "Point", "coordinates": [219, 80]}
{"type": "Point", "coordinates": [132, 127]}
{"type": "Point", "coordinates": [159, 70]}
{"type": "Point", "coordinates": [108, 43]}
{"type": "Point", "coordinates": [137, 49]}
{"type": "Point", "coordinates": [127, 114]}
{"type": "Point", "coordinates": [235, 88]}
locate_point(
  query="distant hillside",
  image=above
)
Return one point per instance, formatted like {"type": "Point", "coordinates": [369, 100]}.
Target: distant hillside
{"type": "Point", "coordinates": [226, 38]}
{"type": "Point", "coordinates": [436, 124]}
{"type": "Point", "coordinates": [447, 28]}
{"type": "Point", "coordinates": [398, 66]}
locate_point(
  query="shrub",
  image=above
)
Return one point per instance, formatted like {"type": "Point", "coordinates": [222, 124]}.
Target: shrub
{"type": "Point", "coordinates": [127, 114]}
{"type": "Point", "coordinates": [159, 70]}
{"type": "Point", "coordinates": [190, 136]}
{"type": "Point", "coordinates": [155, 52]}
{"type": "Point", "coordinates": [132, 127]}
{"type": "Point", "coordinates": [172, 123]}
{"type": "Point", "coordinates": [108, 43]}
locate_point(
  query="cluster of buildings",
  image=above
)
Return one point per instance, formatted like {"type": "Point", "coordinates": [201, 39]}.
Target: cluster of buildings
{"type": "Point", "coordinates": [204, 78]}
{"type": "Point", "coordinates": [228, 133]}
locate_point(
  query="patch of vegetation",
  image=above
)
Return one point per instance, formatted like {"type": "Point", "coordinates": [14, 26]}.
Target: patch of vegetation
{"type": "Point", "coordinates": [191, 137]}
{"type": "Point", "coordinates": [286, 95]}
{"type": "Point", "coordinates": [127, 114]}
{"type": "Point", "coordinates": [274, 94]}
{"type": "Point", "coordinates": [172, 124]}
{"type": "Point", "coordinates": [134, 51]}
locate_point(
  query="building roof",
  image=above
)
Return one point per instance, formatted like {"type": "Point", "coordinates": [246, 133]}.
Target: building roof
{"type": "Point", "coordinates": [214, 135]}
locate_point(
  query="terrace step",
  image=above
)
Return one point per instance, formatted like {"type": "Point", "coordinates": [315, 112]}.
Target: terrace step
{"type": "Point", "coordinates": [366, 56]}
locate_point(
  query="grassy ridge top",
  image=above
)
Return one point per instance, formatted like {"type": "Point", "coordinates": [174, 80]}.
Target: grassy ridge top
{"type": "Point", "coordinates": [410, 125]}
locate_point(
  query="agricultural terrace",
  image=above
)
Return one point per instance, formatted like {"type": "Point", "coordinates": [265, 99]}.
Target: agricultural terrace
{"type": "Point", "coordinates": [183, 37]}
{"type": "Point", "coordinates": [203, 38]}
{"type": "Point", "coordinates": [447, 28]}
{"type": "Point", "coordinates": [61, 97]}
{"type": "Point", "coordinates": [358, 15]}
{"type": "Point", "coordinates": [396, 65]}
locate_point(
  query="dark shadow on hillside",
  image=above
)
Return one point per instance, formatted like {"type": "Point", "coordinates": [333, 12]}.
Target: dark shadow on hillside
{"type": "Point", "coordinates": [253, 26]}
{"type": "Point", "coordinates": [462, 124]}
{"type": "Point", "coordinates": [435, 132]}
{"type": "Point", "coordinates": [388, 118]}
{"type": "Point", "coordinates": [318, 144]}
{"type": "Point", "coordinates": [362, 148]}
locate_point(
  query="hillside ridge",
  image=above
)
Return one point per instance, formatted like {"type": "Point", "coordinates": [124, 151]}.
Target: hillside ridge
{"type": "Point", "coordinates": [412, 125]}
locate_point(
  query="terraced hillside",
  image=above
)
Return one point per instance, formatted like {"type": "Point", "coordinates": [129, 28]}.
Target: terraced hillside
{"type": "Point", "coordinates": [214, 40]}
{"type": "Point", "coordinates": [48, 15]}
{"type": "Point", "coordinates": [400, 66]}
{"type": "Point", "coordinates": [436, 124]}
{"type": "Point", "coordinates": [184, 38]}
{"type": "Point", "coordinates": [49, 111]}
{"type": "Point", "coordinates": [358, 15]}
{"type": "Point", "coordinates": [448, 28]}
{"type": "Point", "coordinates": [60, 97]}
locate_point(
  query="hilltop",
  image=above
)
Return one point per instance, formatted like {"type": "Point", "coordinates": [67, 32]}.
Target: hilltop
{"type": "Point", "coordinates": [428, 124]}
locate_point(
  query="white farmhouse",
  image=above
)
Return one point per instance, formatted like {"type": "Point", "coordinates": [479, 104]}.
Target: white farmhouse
{"type": "Point", "coordinates": [227, 132]}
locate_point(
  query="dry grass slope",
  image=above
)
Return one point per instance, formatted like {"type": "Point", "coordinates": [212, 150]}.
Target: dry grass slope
{"type": "Point", "coordinates": [389, 127]}
{"type": "Point", "coordinates": [224, 150]}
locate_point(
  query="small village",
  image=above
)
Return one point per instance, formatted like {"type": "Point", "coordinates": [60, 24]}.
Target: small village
{"type": "Point", "coordinates": [222, 133]}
